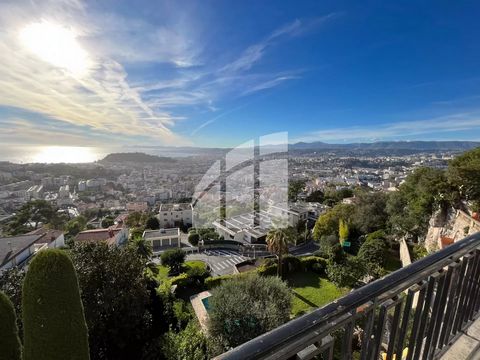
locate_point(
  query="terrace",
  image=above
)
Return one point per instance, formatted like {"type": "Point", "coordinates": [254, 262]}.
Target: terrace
{"type": "Point", "coordinates": [423, 311]}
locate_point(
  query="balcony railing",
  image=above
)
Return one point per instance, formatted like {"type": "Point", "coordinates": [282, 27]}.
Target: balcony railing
{"type": "Point", "coordinates": [416, 312]}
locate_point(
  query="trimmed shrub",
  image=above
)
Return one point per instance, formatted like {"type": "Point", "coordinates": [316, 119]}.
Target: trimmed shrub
{"type": "Point", "coordinates": [291, 264]}
{"type": "Point", "coordinates": [193, 238]}
{"type": "Point", "coordinates": [10, 346]}
{"type": "Point", "coordinates": [174, 259]}
{"type": "Point", "coordinates": [54, 322]}
{"type": "Point", "coordinates": [314, 263]}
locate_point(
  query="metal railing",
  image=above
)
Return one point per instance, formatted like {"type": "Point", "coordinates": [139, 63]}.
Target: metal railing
{"type": "Point", "coordinates": [416, 312]}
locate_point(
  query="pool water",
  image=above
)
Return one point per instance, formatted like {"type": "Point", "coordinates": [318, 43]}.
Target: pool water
{"type": "Point", "coordinates": [206, 304]}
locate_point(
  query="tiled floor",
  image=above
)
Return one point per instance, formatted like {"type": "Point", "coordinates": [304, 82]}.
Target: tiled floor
{"type": "Point", "coordinates": [467, 347]}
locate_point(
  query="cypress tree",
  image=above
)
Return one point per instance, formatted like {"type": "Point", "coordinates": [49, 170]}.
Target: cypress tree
{"type": "Point", "coordinates": [53, 318]}
{"type": "Point", "coordinates": [10, 346]}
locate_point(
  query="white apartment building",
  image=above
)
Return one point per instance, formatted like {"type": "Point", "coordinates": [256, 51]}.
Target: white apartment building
{"type": "Point", "coordinates": [163, 239]}
{"type": "Point", "coordinates": [172, 215]}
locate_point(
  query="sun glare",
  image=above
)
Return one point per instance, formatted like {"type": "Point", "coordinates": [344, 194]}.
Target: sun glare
{"type": "Point", "coordinates": [56, 45]}
{"type": "Point", "coordinates": [65, 154]}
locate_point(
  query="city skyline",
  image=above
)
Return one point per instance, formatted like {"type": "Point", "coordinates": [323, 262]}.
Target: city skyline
{"type": "Point", "coordinates": [216, 74]}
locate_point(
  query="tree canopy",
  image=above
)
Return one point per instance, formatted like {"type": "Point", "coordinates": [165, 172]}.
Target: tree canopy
{"type": "Point", "coordinates": [245, 307]}
{"type": "Point", "coordinates": [116, 298]}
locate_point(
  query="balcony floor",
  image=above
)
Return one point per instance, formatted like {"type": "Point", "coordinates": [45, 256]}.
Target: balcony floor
{"type": "Point", "coordinates": [467, 346]}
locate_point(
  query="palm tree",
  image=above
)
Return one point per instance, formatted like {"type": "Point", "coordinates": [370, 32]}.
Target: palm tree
{"type": "Point", "coordinates": [278, 240]}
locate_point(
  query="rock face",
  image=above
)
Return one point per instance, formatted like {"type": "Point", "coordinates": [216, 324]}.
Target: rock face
{"type": "Point", "coordinates": [450, 227]}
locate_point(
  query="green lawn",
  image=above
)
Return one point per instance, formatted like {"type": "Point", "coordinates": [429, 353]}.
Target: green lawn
{"type": "Point", "coordinates": [163, 270]}
{"type": "Point", "coordinates": [311, 291]}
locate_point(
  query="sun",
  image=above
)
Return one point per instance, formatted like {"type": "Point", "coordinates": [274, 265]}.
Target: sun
{"type": "Point", "coordinates": [56, 45]}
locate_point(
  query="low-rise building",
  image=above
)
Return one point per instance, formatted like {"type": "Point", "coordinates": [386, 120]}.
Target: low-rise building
{"type": "Point", "coordinates": [163, 239]}
{"type": "Point", "coordinates": [17, 250]}
{"type": "Point", "coordinates": [112, 236]}
{"type": "Point", "coordinates": [174, 215]}
{"type": "Point", "coordinates": [140, 206]}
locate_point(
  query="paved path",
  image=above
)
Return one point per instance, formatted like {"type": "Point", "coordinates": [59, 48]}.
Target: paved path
{"type": "Point", "coordinates": [221, 262]}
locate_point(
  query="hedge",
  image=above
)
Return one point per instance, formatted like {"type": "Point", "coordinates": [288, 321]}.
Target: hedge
{"type": "Point", "coordinates": [11, 348]}
{"type": "Point", "coordinates": [53, 318]}
{"type": "Point", "coordinates": [293, 264]}
{"type": "Point", "coordinates": [314, 263]}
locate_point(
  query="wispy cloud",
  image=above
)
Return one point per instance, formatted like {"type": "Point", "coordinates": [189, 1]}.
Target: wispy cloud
{"type": "Point", "coordinates": [399, 130]}
{"type": "Point", "coordinates": [106, 98]}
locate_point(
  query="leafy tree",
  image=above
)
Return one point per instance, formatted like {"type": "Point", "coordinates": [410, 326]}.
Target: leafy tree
{"type": "Point", "coordinates": [295, 187]}
{"type": "Point", "coordinates": [188, 344]}
{"type": "Point", "coordinates": [348, 273]}
{"type": "Point", "coordinates": [152, 223]}
{"type": "Point", "coordinates": [370, 212]}
{"type": "Point", "coordinates": [372, 253]}
{"type": "Point", "coordinates": [116, 296]}
{"type": "Point", "coordinates": [136, 219]}
{"type": "Point", "coordinates": [9, 341]}
{"type": "Point", "coordinates": [464, 173]}
{"type": "Point", "coordinates": [193, 238]}
{"type": "Point", "coordinates": [423, 192]}
{"type": "Point", "coordinates": [34, 212]}
{"type": "Point", "coordinates": [315, 196]}
{"type": "Point", "coordinates": [74, 226]}
{"type": "Point", "coordinates": [328, 223]}
{"type": "Point", "coordinates": [53, 318]}
{"type": "Point", "coordinates": [107, 222]}
{"type": "Point", "coordinates": [278, 240]}
{"type": "Point", "coordinates": [245, 307]}
{"type": "Point", "coordinates": [174, 259]}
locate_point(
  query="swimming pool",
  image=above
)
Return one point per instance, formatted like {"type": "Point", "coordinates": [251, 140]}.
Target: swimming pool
{"type": "Point", "coordinates": [206, 304]}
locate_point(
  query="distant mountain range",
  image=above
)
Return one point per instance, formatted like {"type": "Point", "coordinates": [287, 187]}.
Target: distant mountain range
{"type": "Point", "coordinates": [391, 145]}
{"type": "Point", "coordinates": [381, 148]}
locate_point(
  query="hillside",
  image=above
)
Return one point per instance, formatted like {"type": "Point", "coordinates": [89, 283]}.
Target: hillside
{"type": "Point", "coordinates": [136, 157]}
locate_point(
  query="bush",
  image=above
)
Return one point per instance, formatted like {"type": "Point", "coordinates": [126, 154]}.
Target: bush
{"type": "Point", "coordinates": [267, 270]}
{"type": "Point", "coordinates": [291, 264]}
{"type": "Point", "coordinates": [347, 274]}
{"type": "Point", "coordinates": [418, 251]}
{"type": "Point", "coordinates": [9, 341]}
{"type": "Point", "coordinates": [189, 344]}
{"type": "Point", "coordinates": [174, 259]}
{"type": "Point", "coordinates": [193, 238]}
{"type": "Point", "coordinates": [314, 263]}
{"type": "Point", "coordinates": [54, 323]}
{"type": "Point", "coordinates": [213, 282]}
{"type": "Point", "coordinates": [245, 307]}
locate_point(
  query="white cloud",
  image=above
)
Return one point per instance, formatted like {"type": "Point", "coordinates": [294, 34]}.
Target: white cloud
{"type": "Point", "coordinates": [100, 99]}
{"type": "Point", "coordinates": [389, 131]}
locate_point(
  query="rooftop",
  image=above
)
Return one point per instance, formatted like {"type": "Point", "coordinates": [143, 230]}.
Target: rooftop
{"type": "Point", "coordinates": [176, 207]}
{"type": "Point", "coordinates": [149, 234]}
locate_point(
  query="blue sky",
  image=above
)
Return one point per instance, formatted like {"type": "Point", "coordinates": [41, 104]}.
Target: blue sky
{"type": "Point", "coordinates": [217, 73]}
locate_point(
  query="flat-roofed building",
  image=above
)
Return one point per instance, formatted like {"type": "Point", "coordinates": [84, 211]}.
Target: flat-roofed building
{"type": "Point", "coordinates": [175, 215]}
{"type": "Point", "coordinates": [163, 239]}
